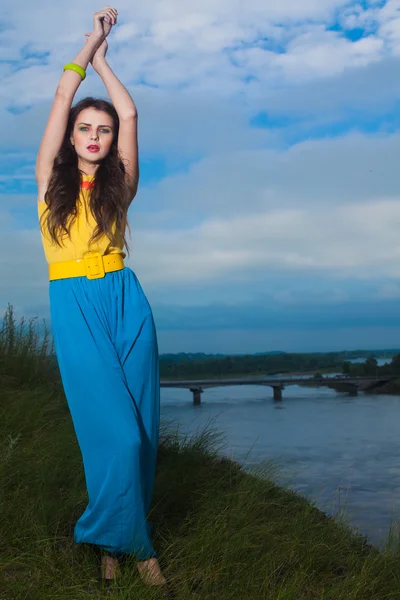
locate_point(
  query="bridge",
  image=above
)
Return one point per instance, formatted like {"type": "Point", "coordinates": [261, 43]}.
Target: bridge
{"type": "Point", "coordinates": [352, 384]}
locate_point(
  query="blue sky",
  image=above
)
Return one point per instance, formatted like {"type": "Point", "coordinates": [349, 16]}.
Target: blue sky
{"type": "Point", "coordinates": [268, 213]}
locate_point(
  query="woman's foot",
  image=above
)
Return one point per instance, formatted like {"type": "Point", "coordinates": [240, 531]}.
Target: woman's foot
{"type": "Point", "coordinates": [109, 569]}
{"type": "Point", "coordinates": [150, 572]}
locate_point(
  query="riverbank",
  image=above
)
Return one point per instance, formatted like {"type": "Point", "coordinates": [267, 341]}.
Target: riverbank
{"type": "Point", "coordinates": [389, 388]}
{"type": "Point", "coordinates": [237, 534]}
{"type": "Point", "coordinates": [392, 387]}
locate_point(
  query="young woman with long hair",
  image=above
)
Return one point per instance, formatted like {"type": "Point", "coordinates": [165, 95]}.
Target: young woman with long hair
{"type": "Point", "coordinates": [104, 333]}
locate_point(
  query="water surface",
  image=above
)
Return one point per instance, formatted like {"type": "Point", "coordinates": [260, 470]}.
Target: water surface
{"type": "Point", "coordinates": [340, 451]}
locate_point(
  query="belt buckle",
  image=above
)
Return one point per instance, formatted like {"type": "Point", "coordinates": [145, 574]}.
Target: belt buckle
{"type": "Point", "coordinates": [94, 265]}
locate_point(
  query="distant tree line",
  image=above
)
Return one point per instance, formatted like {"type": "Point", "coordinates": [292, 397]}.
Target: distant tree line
{"type": "Point", "coordinates": [370, 367]}
{"type": "Point", "coordinates": [203, 366]}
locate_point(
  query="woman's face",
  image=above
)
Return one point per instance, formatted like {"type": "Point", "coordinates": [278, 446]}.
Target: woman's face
{"type": "Point", "coordinates": [92, 135]}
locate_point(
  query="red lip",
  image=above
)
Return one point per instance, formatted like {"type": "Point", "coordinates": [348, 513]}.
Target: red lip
{"type": "Point", "coordinates": [93, 147]}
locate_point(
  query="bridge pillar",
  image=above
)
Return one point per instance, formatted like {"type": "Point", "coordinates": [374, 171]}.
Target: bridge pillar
{"type": "Point", "coordinates": [353, 390]}
{"type": "Point", "coordinates": [277, 391]}
{"type": "Point", "coordinates": [197, 391]}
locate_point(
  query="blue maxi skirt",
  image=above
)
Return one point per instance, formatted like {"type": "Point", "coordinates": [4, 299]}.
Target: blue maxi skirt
{"type": "Point", "coordinates": [106, 346]}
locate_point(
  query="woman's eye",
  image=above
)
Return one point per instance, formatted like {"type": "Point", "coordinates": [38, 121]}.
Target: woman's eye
{"type": "Point", "coordinates": [104, 130]}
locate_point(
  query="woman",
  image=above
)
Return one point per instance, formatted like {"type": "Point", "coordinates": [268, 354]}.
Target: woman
{"type": "Point", "coordinates": [87, 174]}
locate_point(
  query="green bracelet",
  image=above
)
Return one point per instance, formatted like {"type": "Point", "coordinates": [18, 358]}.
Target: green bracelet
{"type": "Point", "coordinates": [76, 68]}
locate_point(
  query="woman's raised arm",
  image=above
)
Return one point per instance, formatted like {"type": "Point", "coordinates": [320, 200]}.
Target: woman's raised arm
{"type": "Point", "coordinates": [127, 114]}
{"type": "Point", "coordinates": [70, 80]}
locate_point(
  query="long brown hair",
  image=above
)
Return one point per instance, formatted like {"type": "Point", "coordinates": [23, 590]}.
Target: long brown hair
{"type": "Point", "coordinates": [108, 200]}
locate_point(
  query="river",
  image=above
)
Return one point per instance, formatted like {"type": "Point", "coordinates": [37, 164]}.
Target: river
{"type": "Point", "coordinates": [339, 451]}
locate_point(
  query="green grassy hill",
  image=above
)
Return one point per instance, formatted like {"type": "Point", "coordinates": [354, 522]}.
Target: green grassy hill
{"type": "Point", "coordinates": [221, 533]}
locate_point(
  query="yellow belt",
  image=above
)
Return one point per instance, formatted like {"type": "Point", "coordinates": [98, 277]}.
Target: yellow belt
{"type": "Point", "coordinates": [93, 265]}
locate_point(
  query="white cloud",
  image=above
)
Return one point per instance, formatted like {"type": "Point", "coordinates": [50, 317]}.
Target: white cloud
{"type": "Point", "coordinates": [357, 16]}
{"type": "Point", "coordinates": [211, 46]}
{"type": "Point", "coordinates": [323, 53]}
{"type": "Point", "coordinates": [317, 173]}
{"type": "Point", "coordinates": [348, 241]}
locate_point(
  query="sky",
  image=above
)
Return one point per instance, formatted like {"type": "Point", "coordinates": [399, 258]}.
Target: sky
{"type": "Point", "coordinates": [268, 213]}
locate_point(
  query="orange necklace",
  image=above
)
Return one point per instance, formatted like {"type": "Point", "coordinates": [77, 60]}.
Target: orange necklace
{"type": "Point", "coordinates": [87, 185]}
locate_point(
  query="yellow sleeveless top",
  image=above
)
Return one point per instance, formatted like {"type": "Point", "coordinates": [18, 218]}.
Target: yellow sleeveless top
{"type": "Point", "coordinates": [81, 230]}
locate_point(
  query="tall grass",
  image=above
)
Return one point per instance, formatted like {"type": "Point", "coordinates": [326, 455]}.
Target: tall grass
{"type": "Point", "coordinates": [221, 532]}
{"type": "Point", "coordinates": [25, 359]}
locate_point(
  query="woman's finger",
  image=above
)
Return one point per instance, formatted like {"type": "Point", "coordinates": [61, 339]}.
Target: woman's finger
{"type": "Point", "coordinates": [109, 8]}
{"type": "Point", "coordinates": [105, 17]}
{"type": "Point", "coordinates": [113, 10]}
{"type": "Point", "coordinates": [111, 16]}
{"type": "Point", "coordinates": [105, 13]}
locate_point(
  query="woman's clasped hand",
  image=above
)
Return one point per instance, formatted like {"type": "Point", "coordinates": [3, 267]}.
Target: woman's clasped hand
{"type": "Point", "coordinates": [103, 20]}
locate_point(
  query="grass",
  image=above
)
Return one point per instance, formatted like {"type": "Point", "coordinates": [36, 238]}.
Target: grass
{"type": "Point", "coordinates": [243, 535]}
